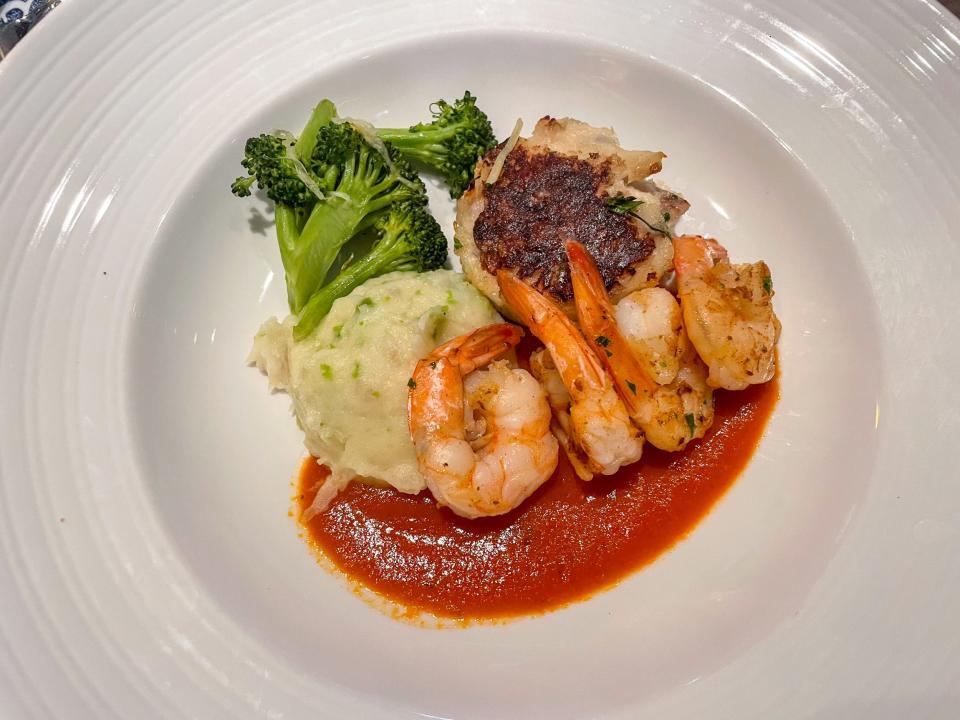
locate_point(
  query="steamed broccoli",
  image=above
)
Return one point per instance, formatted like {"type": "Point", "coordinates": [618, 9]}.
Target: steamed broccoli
{"type": "Point", "coordinates": [328, 185]}
{"type": "Point", "coordinates": [265, 158]}
{"type": "Point", "coordinates": [360, 185]}
{"type": "Point", "coordinates": [276, 162]}
{"type": "Point", "coordinates": [451, 145]}
{"type": "Point", "coordinates": [409, 238]}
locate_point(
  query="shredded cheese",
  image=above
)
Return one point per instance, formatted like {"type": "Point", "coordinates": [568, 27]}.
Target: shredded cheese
{"type": "Point", "coordinates": [289, 140]}
{"type": "Point", "coordinates": [502, 156]}
{"type": "Point", "coordinates": [369, 133]}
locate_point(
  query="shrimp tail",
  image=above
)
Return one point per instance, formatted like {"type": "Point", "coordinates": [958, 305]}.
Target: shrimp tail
{"type": "Point", "coordinates": [532, 307]}
{"type": "Point", "coordinates": [479, 347]}
{"type": "Point", "coordinates": [549, 323]}
{"type": "Point", "coordinates": [437, 379]}
{"type": "Point", "coordinates": [598, 321]}
{"type": "Point", "coordinates": [600, 427]}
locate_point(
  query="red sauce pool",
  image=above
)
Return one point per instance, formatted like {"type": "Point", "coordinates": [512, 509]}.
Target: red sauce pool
{"type": "Point", "coordinates": [568, 541]}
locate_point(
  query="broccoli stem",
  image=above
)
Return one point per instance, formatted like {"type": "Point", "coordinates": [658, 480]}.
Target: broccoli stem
{"type": "Point", "coordinates": [431, 154]}
{"type": "Point", "coordinates": [322, 115]}
{"type": "Point", "coordinates": [407, 138]}
{"type": "Point", "coordinates": [288, 238]}
{"type": "Point", "coordinates": [371, 265]}
{"type": "Point", "coordinates": [329, 227]}
{"type": "Point", "coordinates": [331, 224]}
{"type": "Point", "coordinates": [427, 146]}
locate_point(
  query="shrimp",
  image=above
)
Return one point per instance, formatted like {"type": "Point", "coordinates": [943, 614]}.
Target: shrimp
{"type": "Point", "coordinates": [543, 369]}
{"type": "Point", "coordinates": [652, 325]}
{"type": "Point", "coordinates": [482, 437]}
{"type": "Point", "coordinates": [600, 437]}
{"type": "Point", "coordinates": [682, 410]}
{"type": "Point", "coordinates": [672, 413]}
{"type": "Point", "coordinates": [728, 313]}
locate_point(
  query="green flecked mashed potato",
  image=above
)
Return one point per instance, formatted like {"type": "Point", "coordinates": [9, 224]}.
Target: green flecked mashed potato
{"type": "Point", "coordinates": [348, 380]}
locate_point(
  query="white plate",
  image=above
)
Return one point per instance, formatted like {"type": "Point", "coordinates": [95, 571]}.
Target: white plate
{"type": "Point", "coordinates": [148, 567]}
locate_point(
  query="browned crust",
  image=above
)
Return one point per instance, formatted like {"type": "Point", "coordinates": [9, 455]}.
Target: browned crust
{"type": "Point", "coordinates": [543, 199]}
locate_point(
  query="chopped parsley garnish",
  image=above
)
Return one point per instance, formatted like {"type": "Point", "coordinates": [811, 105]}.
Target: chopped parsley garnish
{"type": "Point", "coordinates": [623, 204]}
{"type": "Point", "coordinates": [627, 205]}
{"type": "Point", "coordinates": [691, 423]}
{"type": "Point", "coordinates": [411, 383]}
{"type": "Point", "coordinates": [633, 388]}
{"type": "Point", "coordinates": [603, 341]}
{"type": "Point", "coordinates": [768, 285]}
{"type": "Point", "coordinates": [457, 245]}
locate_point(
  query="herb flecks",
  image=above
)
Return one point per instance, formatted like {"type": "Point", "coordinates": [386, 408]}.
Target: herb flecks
{"type": "Point", "coordinates": [326, 371]}
{"type": "Point", "coordinates": [603, 341]}
{"type": "Point", "coordinates": [627, 205]}
{"type": "Point", "coordinates": [691, 423]}
{"type": "Point", "coordinates": [411, 383]}
{"type": "Point", "coordinates": [633, 388]}
{"type": "Point", "coordinates": [768, 285]}
{"type": "Point", "coordinates": [623, 204]}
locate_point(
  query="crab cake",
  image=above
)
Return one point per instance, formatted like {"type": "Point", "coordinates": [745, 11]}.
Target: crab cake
{"type": "Point", "coordinates": [557, 185]}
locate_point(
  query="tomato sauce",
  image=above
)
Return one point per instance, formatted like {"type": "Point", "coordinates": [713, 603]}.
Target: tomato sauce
{"type": "Point", "coordinates": [566, 542]}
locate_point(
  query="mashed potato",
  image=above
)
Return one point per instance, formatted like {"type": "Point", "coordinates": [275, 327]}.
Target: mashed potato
{"type": "Point", "coordinates": [348, 380]}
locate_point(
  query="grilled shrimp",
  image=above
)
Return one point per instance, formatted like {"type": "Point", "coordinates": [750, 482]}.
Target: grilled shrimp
{"type": "Point", "coordinates": [482, 437]}
{"type": "Point", "coordinates": [727, 312]}
{"type": "Point", "coordinates": [682, 409]}
{"type": "Point", "coordinates": [600, 437]}
{"type": "Point", "coordinates": [652, 325]}
{"type": "Point", "coordinates": [672, 413]}
{"type": "Point", "coordinates": [546, 373]}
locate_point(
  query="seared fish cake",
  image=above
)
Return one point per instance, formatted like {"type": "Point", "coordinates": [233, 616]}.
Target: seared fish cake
{"type": "Point", "coordinates": [555, 186]}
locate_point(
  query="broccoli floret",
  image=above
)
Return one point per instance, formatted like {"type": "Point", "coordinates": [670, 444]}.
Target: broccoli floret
{"type": "Point", "coordinates": [265, 158]}
{"type": "Point", "coordinates": [329, 185]}
{"type": "Point", "coordinates": [409, 238]}
{"type": "Point", "coordinates": [272, 160]}
{"type": "Point", "coordinates": [450, 145]}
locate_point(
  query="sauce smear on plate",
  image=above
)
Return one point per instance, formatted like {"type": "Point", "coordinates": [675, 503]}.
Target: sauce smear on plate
{"type": "Point", "coordinates": [568, 541]}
